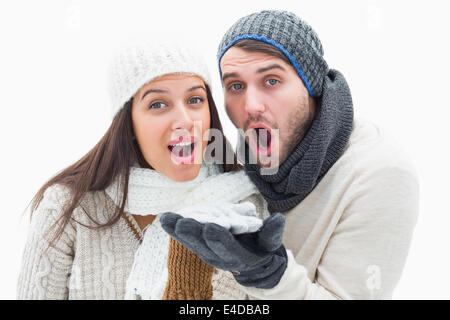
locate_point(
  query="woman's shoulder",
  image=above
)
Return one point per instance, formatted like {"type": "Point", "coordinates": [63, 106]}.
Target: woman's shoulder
{"type": "Point", "coordinates": [49, 209]}
{"type": "Point", "coordinates": [95, 203]}
{"type": "Point", "coordinates": [56, 196]}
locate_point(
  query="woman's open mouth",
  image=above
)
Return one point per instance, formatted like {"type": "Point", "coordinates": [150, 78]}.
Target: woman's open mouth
{"type": "Point", "coordinates": [182, 152]}
{"type": "Point", "coordinates": [260, 140]}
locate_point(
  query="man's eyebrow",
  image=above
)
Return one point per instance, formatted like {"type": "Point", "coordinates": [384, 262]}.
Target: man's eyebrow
{"type": "Point", "coordinates": [196, 87]}
{"type": "Point", "coordinates": [229, 75]}
{"type": "Point", "coordinates": [262, 70]}
{"type": "Point", "coordinates": [153, 91]}
{"type": "Point", "coordinates": [272, 66]}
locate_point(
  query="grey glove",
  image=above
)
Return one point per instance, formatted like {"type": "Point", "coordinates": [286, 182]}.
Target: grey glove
{"type": "Point", "coordinates": [256, 259]}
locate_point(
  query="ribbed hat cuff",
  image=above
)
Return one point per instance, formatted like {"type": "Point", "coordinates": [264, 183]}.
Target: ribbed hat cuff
{"type": "Point", "coordinates": [276, 45]}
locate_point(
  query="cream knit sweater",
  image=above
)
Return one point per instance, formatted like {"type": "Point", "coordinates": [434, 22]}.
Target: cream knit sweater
{"type": "Point", "coordinates": [349, 239]}
{"type": "Point", "coordinates": [93, 264]}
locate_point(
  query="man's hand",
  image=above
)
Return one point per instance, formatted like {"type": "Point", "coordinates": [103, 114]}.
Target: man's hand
{"type": "Point", "coordinates": [256, 259]}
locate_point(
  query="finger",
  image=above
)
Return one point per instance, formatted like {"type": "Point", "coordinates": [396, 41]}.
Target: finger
{"type": "Point", "coordinates": [225, 245]}
{"type": "Point", "coordinates": [189, 233]}
{"type": "Point", "coordinates": [267, 277]}
{"type": "Point", "coordinates": [168, 221]}
{"type": "Point", "coordinates": [270, 237]}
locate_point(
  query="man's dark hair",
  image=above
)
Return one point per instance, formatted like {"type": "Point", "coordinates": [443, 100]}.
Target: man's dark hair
{"type": "Point", "coordinates": [251, 45]}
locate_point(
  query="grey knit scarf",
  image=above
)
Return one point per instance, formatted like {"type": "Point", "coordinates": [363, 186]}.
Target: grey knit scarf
{"type": "Point", "coordinates": [320, 148]}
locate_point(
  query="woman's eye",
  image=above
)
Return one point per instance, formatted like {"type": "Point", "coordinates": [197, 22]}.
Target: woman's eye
{"type": "Point", "coordinates": [156, 105]}
{"type": "Point", "coordinates": [195, 100]}
{"type": "Point", "coordinates": [272, 82]}
{"type": "Point", "coordinates": [236, 86]}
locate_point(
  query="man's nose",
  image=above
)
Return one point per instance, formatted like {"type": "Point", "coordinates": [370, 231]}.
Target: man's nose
{"type": "Point", "coordinates": [253, 102]}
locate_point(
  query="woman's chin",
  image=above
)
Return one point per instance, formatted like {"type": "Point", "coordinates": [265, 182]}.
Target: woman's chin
{"type": "Point", "coordinates": [184, 172]}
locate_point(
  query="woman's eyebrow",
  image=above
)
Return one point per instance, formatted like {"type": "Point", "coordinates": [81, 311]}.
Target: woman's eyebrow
{"type": "Point", "coordinates": [195, 88]}
{"type": "Point", "coordinates": [165, 91]}
{"type": "Point", "coordinates": [153, 91]}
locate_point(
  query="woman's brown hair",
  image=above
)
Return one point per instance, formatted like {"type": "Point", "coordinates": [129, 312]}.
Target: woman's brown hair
{"type": "Point", "coordinates": [112, 157]}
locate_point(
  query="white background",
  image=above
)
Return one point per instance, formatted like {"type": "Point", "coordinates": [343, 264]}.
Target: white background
{"type": "Point", "coordinates": [55, 107]}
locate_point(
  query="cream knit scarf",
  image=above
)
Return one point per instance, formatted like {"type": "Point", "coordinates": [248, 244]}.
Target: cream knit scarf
{"type": "Point", "coordinates": [150, 192]}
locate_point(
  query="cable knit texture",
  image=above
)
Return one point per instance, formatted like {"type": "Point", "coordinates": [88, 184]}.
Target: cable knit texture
{"type": "Point", "coordinates": [85, 263]}
{"type": "Point", "coordinates": [338, 233]}
{"type": "Point", "coordinates": [96, 263]}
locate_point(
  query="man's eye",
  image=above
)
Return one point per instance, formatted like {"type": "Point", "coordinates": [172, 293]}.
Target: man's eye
{"type": "Point", "coordinates": [272, 82]}
{"type": "Point", "coordinates": [236, 86]}
{"type": "Point", "coordinates": [195, 100]}
{"type": "Point", "coordinates": [156, 105]}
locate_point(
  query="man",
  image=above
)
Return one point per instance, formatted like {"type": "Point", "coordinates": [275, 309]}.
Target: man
{"type": "Point", "coordinates": [343, 197]}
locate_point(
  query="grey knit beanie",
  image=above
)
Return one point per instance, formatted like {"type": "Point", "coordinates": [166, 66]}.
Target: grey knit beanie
{"type": "Point", "coordinates": [289, 34]}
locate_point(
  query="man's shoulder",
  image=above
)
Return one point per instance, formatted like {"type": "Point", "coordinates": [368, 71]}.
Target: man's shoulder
{"type": "Point", "coordinates": [372, 148]}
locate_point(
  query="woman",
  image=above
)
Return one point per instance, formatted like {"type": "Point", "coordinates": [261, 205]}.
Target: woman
{"type": "Point", "coordinates": [89, 220]}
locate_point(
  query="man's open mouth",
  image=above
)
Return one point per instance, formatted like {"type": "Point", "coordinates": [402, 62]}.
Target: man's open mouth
{"type": "Point", "coordinates": [260, 140]}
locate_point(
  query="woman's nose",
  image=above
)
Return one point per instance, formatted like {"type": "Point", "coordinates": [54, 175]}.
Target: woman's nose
{"type": "Point", "coordinates": [182, 118]}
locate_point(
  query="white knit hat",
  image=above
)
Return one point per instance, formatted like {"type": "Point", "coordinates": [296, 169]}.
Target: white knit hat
{"type": "Point", "coordinates": [138, 63]}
